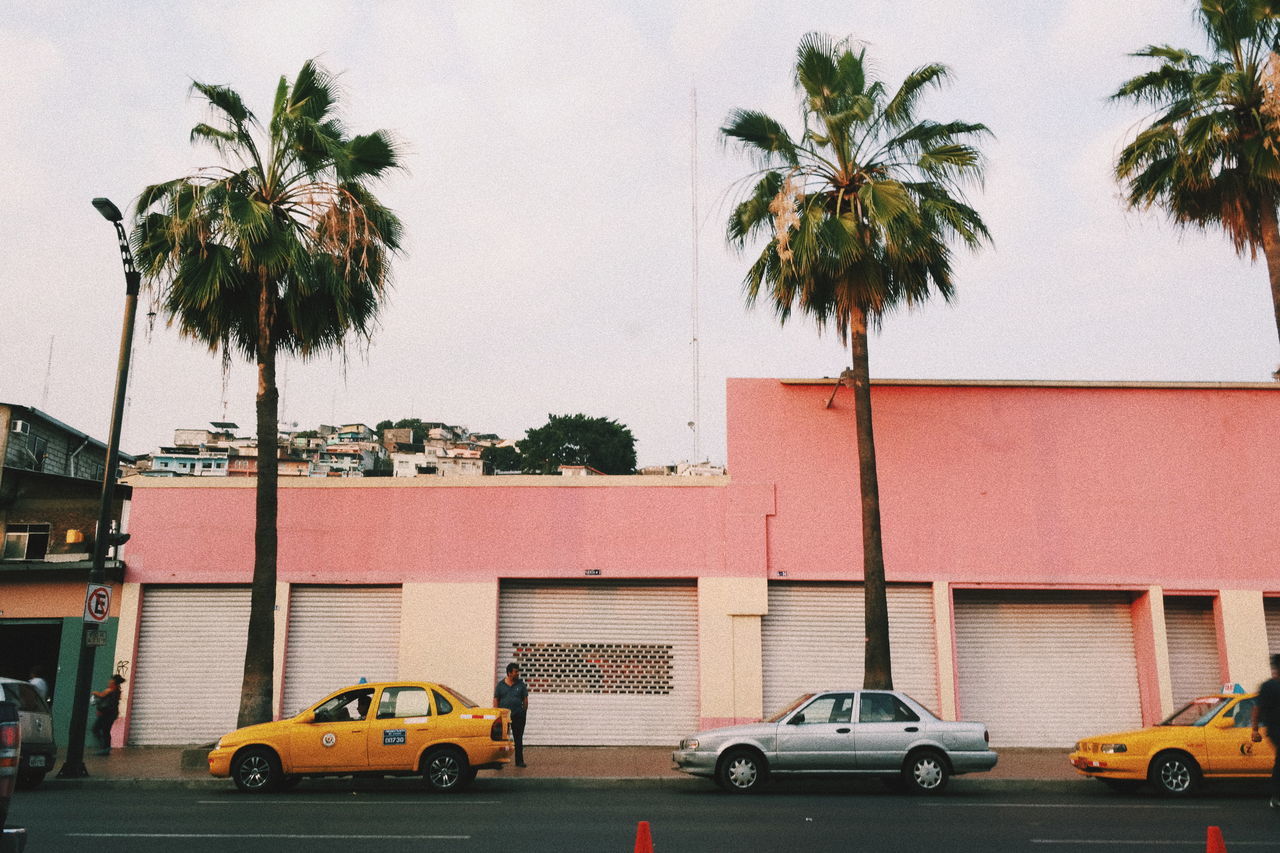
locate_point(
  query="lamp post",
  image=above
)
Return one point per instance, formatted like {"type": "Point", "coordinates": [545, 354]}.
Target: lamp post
{"type": "Point", "coordinates": [73, 766]}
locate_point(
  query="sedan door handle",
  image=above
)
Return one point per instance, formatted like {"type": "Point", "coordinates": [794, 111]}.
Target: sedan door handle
{"type": "Point", "coordinates": [912, 729]}
{"type": "Point", "coordinates": [842, 731]}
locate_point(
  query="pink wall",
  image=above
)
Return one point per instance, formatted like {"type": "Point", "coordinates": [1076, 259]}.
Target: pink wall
{"type": "Point", "coordinates": [1041, 485]}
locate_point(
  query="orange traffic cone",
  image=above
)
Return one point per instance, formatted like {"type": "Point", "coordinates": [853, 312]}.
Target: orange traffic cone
{"type": "Point", "coordinates": [644, 844]}
{"type": "Point", "coordinates": [1213, 841]}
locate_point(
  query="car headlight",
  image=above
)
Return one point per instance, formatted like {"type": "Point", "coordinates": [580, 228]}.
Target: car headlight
{"type": "Point", "coordinates": [689, 743]}
{"type": "Point", "coordinates": [1113, 748]}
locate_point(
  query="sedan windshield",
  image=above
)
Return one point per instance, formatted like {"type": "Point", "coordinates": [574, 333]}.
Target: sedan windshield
{"type": "Point", "coordinates": [787, 710]}
{"type": "Point", "coordinates": [1198, 712]}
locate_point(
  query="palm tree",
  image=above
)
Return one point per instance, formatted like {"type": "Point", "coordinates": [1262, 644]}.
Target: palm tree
{"type": "Point", "coordinates": [859, 210]}
{"type": "Point", "coordinates": [1209, 155]}
{"type": "Point", "coordinates": [283, 250]}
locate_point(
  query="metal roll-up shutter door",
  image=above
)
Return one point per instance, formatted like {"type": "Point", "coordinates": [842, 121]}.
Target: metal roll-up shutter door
{"type": "Point", "coordinates": [606, 664]}
{"type": "Point", "coordinates": [190, 664]}
{"type": "Point", "coordinates": [1194, 669]}
{"type": "Point", "coordinates": [1046, 668]}
{"type": "Point", "coordinates": [813, 639]}
{"type": "Point", "coordinates": [1272, 610]}
{"type": "Point", "coordinates": [338, 635]}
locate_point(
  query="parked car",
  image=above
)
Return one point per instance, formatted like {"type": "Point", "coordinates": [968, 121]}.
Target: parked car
{"type": "Point", "coordinates": [881, 733]}
{"type": "Point", "coordinates": [393, 728]}
{"type": "Point", "coordinates": [1209, 738]}
{"type": "Point", "coordinates": [39, 752]}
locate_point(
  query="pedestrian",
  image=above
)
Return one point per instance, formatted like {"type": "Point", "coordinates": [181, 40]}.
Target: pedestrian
{"type": "Point", "coordinates": [107, 702]}
{"type": "Point", "coordinates": [1267, 712]}
{"type": "Point", "coordinates": [37, 681]}
{"type": "Point", "coordinates": [513, 694]}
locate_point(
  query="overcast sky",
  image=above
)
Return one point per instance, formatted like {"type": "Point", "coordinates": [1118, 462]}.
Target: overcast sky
{"type": "Point", "coordinates": [548, 206]}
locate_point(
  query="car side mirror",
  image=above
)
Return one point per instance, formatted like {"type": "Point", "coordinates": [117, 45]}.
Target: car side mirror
{"type": "Point", "coordinates": [1224, 723]}
{"type": "Point", "coordinates": [796, 720]}
{"type": "Point", "coordinates": [306, 717]}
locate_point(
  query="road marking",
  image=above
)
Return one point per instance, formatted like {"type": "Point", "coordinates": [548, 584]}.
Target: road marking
{"type": "Point", "coordinates": [345, 802]}
{"type": "Point", "coordinates": [1059, 806]}
{"type": "Point", "coordinates": [1110, 842]}
{"type": "Point", "coordinates": [266, 835]}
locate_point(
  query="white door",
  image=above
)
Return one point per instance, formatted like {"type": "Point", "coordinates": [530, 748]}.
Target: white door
{"type": "Point", "coordinates": [337, 636]}
{"type": "Point", "coordinates": [606, 663]}
{"type": "Point", "coordinates": [185, 683]}
{"type": "Point", "coordinates": [1046, 668]}
{"type": "Point", "coordinates": [814, 639]}
{"type": "Point", "coordinates": [1194, 668]}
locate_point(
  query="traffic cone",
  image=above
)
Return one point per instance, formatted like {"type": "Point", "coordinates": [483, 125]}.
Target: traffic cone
{"type": "Point", "coordinates": [644, 844]}
{"type": "Point", "coordinates": [1213, 841]}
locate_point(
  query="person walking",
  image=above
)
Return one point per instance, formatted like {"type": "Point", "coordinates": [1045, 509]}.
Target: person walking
{"type": "Point", "coordinates": [513, 694]}
{"type": "Point", "coordinates": [107, 701]}
{"type": "Point", "coordinates": [1267, 712]}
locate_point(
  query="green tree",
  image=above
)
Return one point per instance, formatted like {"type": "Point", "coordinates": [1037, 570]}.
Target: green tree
{"type": "Point", "coordinates": [501, 458]}
{"type": "Point", "coordinates": [601, 443]}
{"type": "Point", "coordinates": [1209, 154]}
{"type": "Point", "coordinates": [282, 250]}
{"type": "Point", "coordinates": [859, 210]}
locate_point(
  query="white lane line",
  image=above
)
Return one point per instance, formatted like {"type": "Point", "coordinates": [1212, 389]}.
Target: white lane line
{"type": "Point", "coordinates": [1057, 806]}
{"type": "Point", "coordinates": [266, 835]}
{"type": "Point", "coordinates": [1112, 842]}
{"type": "Point", "coordinates": [345, 802]}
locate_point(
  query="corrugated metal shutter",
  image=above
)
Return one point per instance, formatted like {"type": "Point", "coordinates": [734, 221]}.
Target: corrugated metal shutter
{"type": "Point", "coordinates": [338, 635]}
{"type": "Point", "coordinates": [190, 664]}
{"type": "Point", "coordinates": [1046, 668]}
{"type": "Point", "coordinates": [1272, 609]}
{"type": "Point", "coordinates": [606, 664]}
{"type": "Point", "coordinates": [1194, 669]}
{"type": "Point", "coordinates": [813, 638]}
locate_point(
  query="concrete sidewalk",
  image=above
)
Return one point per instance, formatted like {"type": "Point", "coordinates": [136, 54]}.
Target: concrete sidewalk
{"type": "Point", "coordinates": [187, 764]}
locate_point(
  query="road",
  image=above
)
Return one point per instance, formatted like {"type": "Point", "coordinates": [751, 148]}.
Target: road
{"type": "Point", "coordinates": [514, 815]}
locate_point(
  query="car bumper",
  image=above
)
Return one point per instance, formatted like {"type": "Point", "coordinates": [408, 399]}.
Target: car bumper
{"type": "Point", "coordinates": [37, 758]}
{"type": "Point", "coordinates": [973, 762]}
{"type": "Point", "coordinates": [1109, 766]}
{"type": "Point", "coordinates": [220, 761]}
{"type": "Point", "coordinates": [695, 762]}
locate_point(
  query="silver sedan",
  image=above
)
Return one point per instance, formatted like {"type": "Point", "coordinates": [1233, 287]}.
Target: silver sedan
{"type": "Point", "coordinates": [864, 732]}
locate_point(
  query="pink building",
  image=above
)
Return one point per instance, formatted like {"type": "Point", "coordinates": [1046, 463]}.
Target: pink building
{"type": "Point", "coordinates": [1062, 558]}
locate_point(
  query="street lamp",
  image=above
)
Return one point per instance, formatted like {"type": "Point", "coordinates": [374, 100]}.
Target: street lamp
{"type": "Point", "coordinates": [73, 766]}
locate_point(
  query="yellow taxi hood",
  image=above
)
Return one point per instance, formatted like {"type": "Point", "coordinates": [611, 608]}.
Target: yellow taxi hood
{"type": "Point", "coordinates": [1124, 737]}
{"type": "Point", "coordinates": [254, 732]}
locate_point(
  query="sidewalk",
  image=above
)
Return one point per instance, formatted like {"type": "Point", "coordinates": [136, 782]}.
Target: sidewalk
{"type": "Point", "coordinates": [548, 762]}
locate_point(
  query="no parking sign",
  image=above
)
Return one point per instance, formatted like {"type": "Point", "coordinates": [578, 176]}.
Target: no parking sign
{"type": "Point", "coordinates": [97, 603]}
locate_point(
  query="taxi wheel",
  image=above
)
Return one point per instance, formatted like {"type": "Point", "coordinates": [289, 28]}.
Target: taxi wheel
{"type": "Point", "coordinates": [742, 771]}
{"type": "Point", "coordinates": [925, 772]}
{"type": "Point", "coordinates": [1175, 774]}
{"type": "Point", "coordinates": [446, 770]}
{"type": "Point", "coordinates": [256, 770]}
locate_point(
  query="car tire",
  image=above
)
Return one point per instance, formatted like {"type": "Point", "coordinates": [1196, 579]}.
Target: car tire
{"type": "Point", "coordinates": [29, 779]}
{"type": "Point", "coordinates": [742, 771]}
{"type": "Point", "coordinates": [1174, 774]}
{"type": "Point", "coordinates": [445, 770]}
{"type": "Point", "coordinates": [926, 772]}
{"type": "Point", "coordinates": [256, 770]}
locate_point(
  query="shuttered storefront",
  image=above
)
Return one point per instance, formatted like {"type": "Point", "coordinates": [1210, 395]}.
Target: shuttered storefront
{"type": "Point", "coordinates": [1046, 668]}
{"type": "Point", "coordinates": [606, 663]}
{"type": "Point", "coordinates": [1272, 606]}
{"type": "Point", "coordinates": [190, 664]}
{"type": "Point", "coordinates": [338, 635]}
{"type": "Point", "coordinates": [814, 638]}
{"type": "Point", "coordinates": [1194, 669]}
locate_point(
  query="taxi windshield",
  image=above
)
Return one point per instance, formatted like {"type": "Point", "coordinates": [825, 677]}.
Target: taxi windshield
{"type": "Point", "coordinates": [787, 710]}
{"type": "Point", "coordinates": [1198, 712]}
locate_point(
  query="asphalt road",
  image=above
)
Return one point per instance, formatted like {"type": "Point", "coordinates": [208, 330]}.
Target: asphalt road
{"type": "Point", "coordinates": [514, 815]}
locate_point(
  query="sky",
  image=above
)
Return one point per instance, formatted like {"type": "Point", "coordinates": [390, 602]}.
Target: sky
{"type": "Point", "coordinates": [549, 202]}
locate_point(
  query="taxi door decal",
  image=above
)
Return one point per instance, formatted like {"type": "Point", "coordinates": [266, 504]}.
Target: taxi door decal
{"type": "Point", "coordinates": [393, 737]}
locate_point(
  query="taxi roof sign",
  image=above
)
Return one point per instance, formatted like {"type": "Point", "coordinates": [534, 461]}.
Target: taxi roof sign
{"type": "Point", "coordinates": [1232, 687]}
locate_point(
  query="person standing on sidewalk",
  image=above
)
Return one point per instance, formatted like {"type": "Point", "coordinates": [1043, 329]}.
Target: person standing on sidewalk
{"type": "Point", "coordinates": [107, 701]}
{"type": "Point", "coordinates": [1267, 712]}
{"type": "Point", "coordinates": [513, 694]}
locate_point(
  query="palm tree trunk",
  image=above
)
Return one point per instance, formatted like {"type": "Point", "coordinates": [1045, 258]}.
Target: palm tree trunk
{"type": "Point", "coordinates": [256, 700]}
{"type": "Point", "coordinates": [878, 672]}
{"type": "Point", "coordinates": [1271, 250]}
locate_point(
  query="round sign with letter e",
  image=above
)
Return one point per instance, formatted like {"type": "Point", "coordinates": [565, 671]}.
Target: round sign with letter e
{"type": "Point", "coordinates": [97, 603]}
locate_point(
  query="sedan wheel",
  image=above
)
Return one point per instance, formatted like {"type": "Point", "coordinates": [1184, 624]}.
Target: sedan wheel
{"type": "Point", "coordinates": [1175, 774]}
{"type": "Point", "coordinates": [446, 770]}
{"type": "Point", "coordinates": [256, 771]}
{"type": "Point", "coordinates": [926, 772]}
{"type": "Point", "coordinates": [741, 771]}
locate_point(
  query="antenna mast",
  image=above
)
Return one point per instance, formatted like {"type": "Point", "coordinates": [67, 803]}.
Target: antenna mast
{"type": "Point", "coordinates": [693, 303]}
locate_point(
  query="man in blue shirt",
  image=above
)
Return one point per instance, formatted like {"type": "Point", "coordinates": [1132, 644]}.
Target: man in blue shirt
{"type": "Point", "coordinates": [513, 694]}
{"type": "Point", "coordinates": [1267, 712]}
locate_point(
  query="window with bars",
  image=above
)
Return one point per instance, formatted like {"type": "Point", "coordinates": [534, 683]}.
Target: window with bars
{"type": "Point", "coordinates": [26, 541]}
{"type": "Point", "coordinates": [605, 668]}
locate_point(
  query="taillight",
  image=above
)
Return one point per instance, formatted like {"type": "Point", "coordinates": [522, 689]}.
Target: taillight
{"type": "Point", "coordinates": [986, 736]}
{"type": "Point", "coordinates": [10, 742]}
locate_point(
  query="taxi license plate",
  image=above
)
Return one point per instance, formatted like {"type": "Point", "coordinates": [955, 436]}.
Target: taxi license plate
{"type": "Point", "coordinates": [36, 761]}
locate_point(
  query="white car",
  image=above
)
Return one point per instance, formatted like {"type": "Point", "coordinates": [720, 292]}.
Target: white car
{"type": "Point", "coordinates": [857, 732]}
{"type": "Point", "coordinates": [36, 722]}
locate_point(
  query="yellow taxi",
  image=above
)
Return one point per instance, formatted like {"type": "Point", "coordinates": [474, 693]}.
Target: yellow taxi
{"type": "Point", "coordinates": [1211, 738]}
{"type": "Point", "coordinates": [383, 729]}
